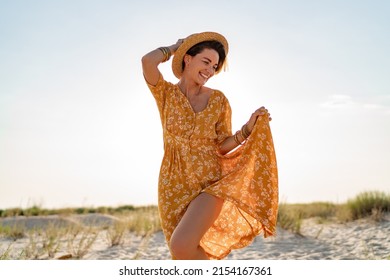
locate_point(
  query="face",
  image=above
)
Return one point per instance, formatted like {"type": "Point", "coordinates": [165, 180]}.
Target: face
{"type": "Point", "coordinates": [202, 66]}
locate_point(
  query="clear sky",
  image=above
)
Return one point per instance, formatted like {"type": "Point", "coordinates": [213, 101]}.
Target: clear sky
{"type": "Point", "coordinates": [79, 127]}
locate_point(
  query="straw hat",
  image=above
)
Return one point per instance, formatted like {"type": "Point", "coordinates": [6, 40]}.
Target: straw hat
{"type": "Point", "coordinates": [191, 41]}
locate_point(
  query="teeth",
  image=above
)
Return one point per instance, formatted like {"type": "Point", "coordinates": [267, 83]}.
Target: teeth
{"type": "Point", "coordinates": [204, 76]}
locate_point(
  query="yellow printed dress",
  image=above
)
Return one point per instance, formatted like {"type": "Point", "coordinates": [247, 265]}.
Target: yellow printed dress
{"type": "Point", "coordinates": [246, 178]}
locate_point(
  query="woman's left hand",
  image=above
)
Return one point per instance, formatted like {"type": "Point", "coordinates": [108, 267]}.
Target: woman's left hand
{"type": "Point", "coordinates": [262, 111]}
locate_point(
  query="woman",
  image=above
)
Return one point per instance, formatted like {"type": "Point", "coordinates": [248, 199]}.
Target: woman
{"type": "Point", "coordinates": [211, 200]}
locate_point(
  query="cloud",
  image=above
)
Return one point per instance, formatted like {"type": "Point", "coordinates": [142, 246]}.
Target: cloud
{"type": "Point", "coordinates": [337, 101]}
{"type": "Point", "coordinates": [349, 104]}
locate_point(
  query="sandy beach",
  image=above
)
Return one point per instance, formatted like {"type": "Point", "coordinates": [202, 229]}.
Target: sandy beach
{"type": "Point", "coordinates": [357, 240]}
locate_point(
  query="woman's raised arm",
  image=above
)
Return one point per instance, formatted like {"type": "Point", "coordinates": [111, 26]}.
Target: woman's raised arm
{"type": "Point", "coordinates": [151, 60]}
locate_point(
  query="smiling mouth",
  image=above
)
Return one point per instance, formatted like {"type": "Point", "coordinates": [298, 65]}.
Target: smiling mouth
{"type": "Point", "coordinates": [204, 76]}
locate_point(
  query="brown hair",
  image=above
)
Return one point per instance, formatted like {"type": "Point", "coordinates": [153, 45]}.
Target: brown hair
{"type": "Point", "coordinates": [214, 45]}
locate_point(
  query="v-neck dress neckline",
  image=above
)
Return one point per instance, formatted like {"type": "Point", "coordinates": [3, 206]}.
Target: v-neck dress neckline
{"type": "Point", "coordinates": [189, 103]}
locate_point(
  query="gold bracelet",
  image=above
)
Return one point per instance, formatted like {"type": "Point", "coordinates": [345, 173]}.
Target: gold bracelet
{"type": "Point", "coordinates": [166, 52]}
{"type": "Point", "coordinates": [235, 137]}
{"type": "Point", "coordinates": [243, 139]}
{"type": "Point", "coordinates": [169, 52]}
{"type": "Point", "coordinates": [244, 131]}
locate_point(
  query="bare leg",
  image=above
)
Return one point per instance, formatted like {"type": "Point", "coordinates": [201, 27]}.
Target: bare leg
{"type": "Point", "coordinates": [199, 217]}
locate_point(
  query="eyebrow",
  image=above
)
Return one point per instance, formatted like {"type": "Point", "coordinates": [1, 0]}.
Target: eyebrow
{"type": "Point", "coordinates": [209, 60]}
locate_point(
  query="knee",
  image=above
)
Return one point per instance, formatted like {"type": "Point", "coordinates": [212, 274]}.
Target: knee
{"type": "Point", "coordinates": [180, 248]}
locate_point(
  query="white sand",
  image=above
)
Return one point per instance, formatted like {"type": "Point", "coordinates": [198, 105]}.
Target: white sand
{"type": "Point", "coordinates": [361, 239]}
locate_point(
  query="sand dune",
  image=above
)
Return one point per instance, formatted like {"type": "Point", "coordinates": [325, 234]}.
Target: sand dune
{"type": "Point", "coordinates": [361, 239]}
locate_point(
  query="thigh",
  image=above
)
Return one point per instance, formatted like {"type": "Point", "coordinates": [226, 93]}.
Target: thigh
{"type": "Point", "coordinates": [199, 217]}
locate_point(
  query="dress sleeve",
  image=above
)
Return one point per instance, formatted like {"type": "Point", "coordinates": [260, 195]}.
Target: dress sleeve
{"type": "Point", "coordinates": [224, 124]}
{"type": "Point", "coordinates": [159, 92]}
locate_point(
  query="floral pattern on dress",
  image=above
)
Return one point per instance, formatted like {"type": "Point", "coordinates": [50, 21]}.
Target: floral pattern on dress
{"type": "Point", "coordinates": [246, 178]}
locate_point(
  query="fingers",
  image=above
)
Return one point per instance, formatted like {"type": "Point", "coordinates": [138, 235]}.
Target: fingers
{"type": "Point", "coordinates": [177, 45]}
{"type": "Point", "coordinates": [262, 111]}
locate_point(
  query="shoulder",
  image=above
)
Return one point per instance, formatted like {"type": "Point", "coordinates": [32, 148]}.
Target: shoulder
{"type": "Point", "coordinates": [162, 85]}
{"type": "Point", "coordinates": [220, 96]}
{"type": "Point", "coordinates": [220, 102]}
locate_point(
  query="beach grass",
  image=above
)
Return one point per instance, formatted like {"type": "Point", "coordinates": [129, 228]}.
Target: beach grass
{"type": "Point", "coordinates": [13, 232]}
{"type": "Point", "coordinates": [370, 204]}
{"type": "Point", "coordinates": [145, 220]}
{"type": "Point", "coordinates": [373, 203]}
{"type": "Point", "coordinates": [80, 241]}
{"type": "Point", "coordinates": [37, 210]}
{"type": "Point", "coordinates": [76, 239]}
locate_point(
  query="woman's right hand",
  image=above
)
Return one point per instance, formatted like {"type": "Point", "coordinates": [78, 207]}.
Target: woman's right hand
{"type": "Point", "coordinates": [175, 46]}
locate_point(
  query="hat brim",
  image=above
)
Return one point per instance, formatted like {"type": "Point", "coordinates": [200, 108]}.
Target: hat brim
{"type": "Point", "coordinates": [191, 41]}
